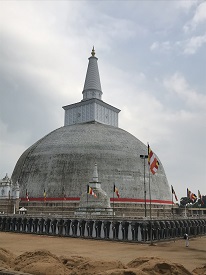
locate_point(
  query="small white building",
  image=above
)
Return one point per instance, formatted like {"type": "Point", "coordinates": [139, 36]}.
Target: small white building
{"type": "Point", "coordinates": [9, 196]}
{"type": "Point", "coordinates": [8, 190]}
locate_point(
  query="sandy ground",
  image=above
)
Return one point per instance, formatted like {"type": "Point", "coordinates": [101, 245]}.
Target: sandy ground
{"type": "Point", "coordinates": [99, 250]}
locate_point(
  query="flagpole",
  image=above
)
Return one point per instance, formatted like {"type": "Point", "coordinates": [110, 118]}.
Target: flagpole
{"type": "Point", "coordinates": [113, 200]}
{"type": "Point", "coordinates": [150, 211]}
{"type": "Point", "coordinates": [62, 200]}
{"type": "Point", "coordinates": [145, 196]}
{"type": "Point", "coordinates": [172, 200]}
{"type": "Point", "coordinates": [43, 212]}
{"type": "Point", "coordinates": [188, 197]}
{"type": "Point", "coordinates": [87, 200]}
{"type": "Point", "coordinates": [198, 197]}
{"type": "Point", "coordinates": [62, 184]}
{"type": "Point", "coordinates": [186, 203]}
{"type": "Point", "coordinates": [145, 203]}
{"type": "Point", "coordinates": [150, 200]}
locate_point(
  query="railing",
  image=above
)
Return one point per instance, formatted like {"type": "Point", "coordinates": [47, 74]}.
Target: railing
{"type": "Point", "coordinates": [106, 229]}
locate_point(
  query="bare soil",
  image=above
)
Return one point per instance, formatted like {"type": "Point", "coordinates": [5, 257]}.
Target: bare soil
{"type": "Point", "coordinates": [48, 255]}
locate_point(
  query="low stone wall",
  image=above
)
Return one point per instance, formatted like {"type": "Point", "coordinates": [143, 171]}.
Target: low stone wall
{"type": "Point", "coordinates": [121, 209]}
{"type": "Point", "coordinates": [107, 229]}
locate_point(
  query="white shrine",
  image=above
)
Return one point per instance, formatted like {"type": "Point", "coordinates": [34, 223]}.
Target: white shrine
{"type": "Point", "coordinates": [9, 195]}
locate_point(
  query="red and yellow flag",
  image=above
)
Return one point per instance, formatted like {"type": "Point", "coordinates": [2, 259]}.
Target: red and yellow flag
{"type": "Point", "coordinates": [44, 194]}
{"type": "Point", "coordinates": [27, 195]}
{"type": "Point", "coordinates": [173, 192]}
{"type": "Point", "coordinates": [116, 191]}
{"type": "Point", "coordinates": [152, 161]}
{"type": "Point", "coordinates": [90, 191]}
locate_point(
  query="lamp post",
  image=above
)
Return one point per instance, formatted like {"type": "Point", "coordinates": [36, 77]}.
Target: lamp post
{"type": "Point", "coordinates": [145, 205]}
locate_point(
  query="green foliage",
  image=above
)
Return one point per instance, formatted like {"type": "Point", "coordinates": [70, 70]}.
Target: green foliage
{"type": "Point", "coordinates": [203, 202]}
{"type": "Point", "coordinates": [184, 201]}
{"type": "Point", "coordinates": [193, 204]}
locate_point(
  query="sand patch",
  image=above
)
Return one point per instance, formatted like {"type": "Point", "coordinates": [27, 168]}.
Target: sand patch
{"type": "Point", "coordinates": [43, 262]}
{"type": "Point", "coordinates": [95, 267]}
{"type": "Point", "coordinates": [129, 271]}
{"type": "Point", "coordinates": [73, 261]}
{"type": "Point", "coordinates": [6, 258]}
{"type": "Point", "coordinates": [174, 251]}
{"type": "Point", "coordinates": [156, 266]}
{"type": "Point", "coordinates": [200, 270]}
{"type": "Point", "coordinates": [40, 262]}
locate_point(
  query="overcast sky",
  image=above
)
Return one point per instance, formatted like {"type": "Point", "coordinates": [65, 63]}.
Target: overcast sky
{"type": "Point", "coordinates": [152, 64]}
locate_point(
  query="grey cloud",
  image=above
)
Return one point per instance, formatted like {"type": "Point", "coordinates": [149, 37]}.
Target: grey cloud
{"type": "Point", "coordinates": [43, 65]}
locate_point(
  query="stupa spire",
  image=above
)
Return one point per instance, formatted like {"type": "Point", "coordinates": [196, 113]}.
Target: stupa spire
{"type": "Point", "coordinates": [95, 179]}
{"type": "Point", "coordinates": [91, 108]}
{"type": "Point", "coordinates": [93, 52]}
{"type": "Point", "coordinates": [92, 86]}
{"type": "Point", "coordinates": [95, 174]}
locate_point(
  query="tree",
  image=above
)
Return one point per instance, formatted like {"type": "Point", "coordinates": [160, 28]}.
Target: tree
{"type": "Point", "coordinates": [184, 201]}
{"type": "Point", "coordinates": [203, 202]}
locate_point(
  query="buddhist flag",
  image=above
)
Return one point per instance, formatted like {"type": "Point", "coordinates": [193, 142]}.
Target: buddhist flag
{"type": "Point", "coordinates": [191, 195]}
{"type": "Point", "coordinates": [90, 191]}
{"type": "Point", "coordinates": [44, 194]}
{"type": "Point", "coordinates": [152, 161]}
{"type": "Point", "coordinates": [64, 193]}
{"type": "Point", "coordinates": [27, 195]}
{"type": "Point", "coordinates": [116, 191]}
{"type": "Point", "coordinates": [173, 192]}
{"type": "Point", "coordinates": [188, 193]}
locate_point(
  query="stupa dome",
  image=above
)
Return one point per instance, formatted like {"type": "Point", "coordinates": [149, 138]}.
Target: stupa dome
{"type": "Point", "coordinates": [63, 161]}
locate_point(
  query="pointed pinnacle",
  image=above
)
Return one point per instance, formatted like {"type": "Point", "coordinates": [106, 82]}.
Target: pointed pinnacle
{"type": "Point", "coordinates": [93, 52]}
